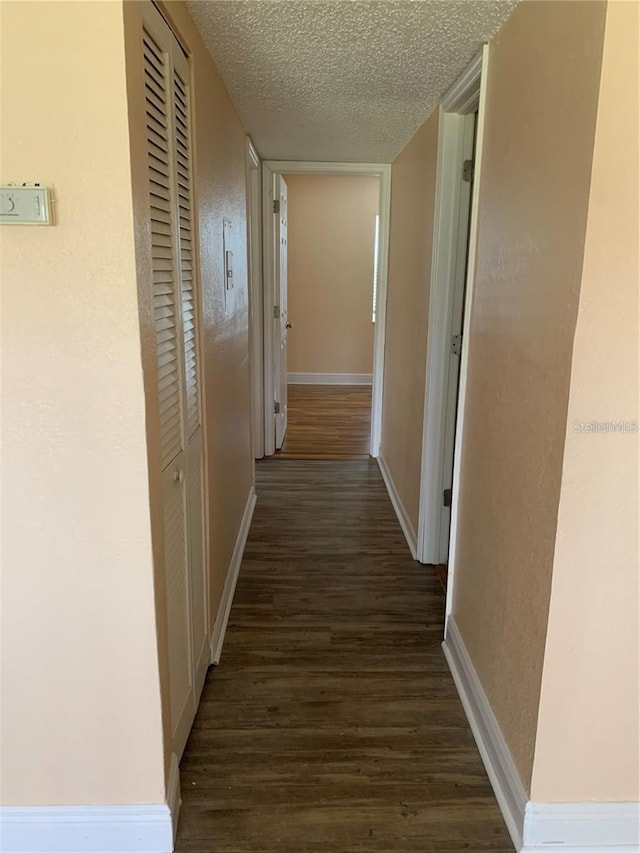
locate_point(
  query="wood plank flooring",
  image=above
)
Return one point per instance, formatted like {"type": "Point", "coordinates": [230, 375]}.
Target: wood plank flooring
{"type": "Point", "coordinates": [327, 422]}
{"type": "Point", "coordinates": [332, 724]}
{"type": "Point", "coordinates": [442, 572]}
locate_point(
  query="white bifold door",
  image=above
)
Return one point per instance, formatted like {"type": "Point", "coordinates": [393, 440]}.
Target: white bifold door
{"type": "Point", "coordinates": [175, 306]}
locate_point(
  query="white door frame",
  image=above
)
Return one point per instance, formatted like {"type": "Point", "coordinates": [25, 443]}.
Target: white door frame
{"type": "Point", "coordinates": [254, 268]}
{"type": "Point", "coordinates": [467, 95]}
{"type": "Point", "coordinates": [283, 167]}
{"type": "Point", "coordinates": [281, 348]}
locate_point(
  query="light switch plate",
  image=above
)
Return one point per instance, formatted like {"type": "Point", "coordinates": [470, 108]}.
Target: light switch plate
{"type": "Point", "coordinates": [227, 259]}
{"type": "Point", "coordinates": [25, 204]}
{"type": "Point", "coordinates": [228, 263]}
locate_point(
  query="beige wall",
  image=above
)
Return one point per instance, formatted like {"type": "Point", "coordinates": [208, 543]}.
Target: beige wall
{"type": "Point", "coordinates": [587, 743]}
{"type": "Point", "coordinates": [543, 80]}
{"type": "Point", "coordinates": [80, 690]}
{"type": "Point", "coordinates": [331, 220]}
{"type": "Point", "coordinates": [413, 188]}
{"type": "Point", "coordinates": [81, 685]}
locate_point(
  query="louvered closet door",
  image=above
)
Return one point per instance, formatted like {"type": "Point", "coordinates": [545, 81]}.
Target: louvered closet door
{"type": "Point", "coordinates": [191, 363]}
{"type": "Point", "coordinates": [182, 479]}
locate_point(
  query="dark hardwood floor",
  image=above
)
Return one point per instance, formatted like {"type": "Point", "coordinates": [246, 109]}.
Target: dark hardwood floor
{"type": "Point", "coordinates": [332, 724]}
{"type": "Point", "coordinates": [441, 571]}
{"type": "Point", "coordinates": [327, 422]}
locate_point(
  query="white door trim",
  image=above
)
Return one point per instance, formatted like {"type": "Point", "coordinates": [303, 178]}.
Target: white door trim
{"type": "Point", "coordinates": [464, 356]}
{"type": "Point", "coordinates": [268, 302]}
{"type": "Point", "coordinates": [280, 167]}
{"type": "Point", "coordinates": [464, 97]}
{"type": "Point", "coordinates": [254, 267]}
{"type": "Point", "coordinates": [280, 325]}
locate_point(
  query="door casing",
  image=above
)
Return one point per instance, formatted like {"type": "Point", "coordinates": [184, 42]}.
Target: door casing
{"type": "Point", "coordinates": [254, 244]}
{"type": "Point", "coordinates": [467, 95]}
{"type": "Point", "coordinates": [280, 221]}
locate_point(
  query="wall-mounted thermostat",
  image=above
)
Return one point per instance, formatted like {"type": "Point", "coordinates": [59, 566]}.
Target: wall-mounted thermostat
{"type": "Point", "coordinates": [25, 204]}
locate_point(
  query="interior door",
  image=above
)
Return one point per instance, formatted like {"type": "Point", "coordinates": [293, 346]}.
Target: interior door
{"type": "Point", "coordinates": [459, 289]}
{"type": "Point", "coordinates": [169, 359]}
{"type": "Point", "coordinates": [175, 305]}
{"type": "Point", "coordinates": [280, 314]}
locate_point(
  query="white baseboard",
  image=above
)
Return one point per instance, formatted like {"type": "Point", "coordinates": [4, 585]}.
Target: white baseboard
{"type": "Point", "coordinates": [86, 829]}
{"type": "Point", "coordinates": [403, 518]}
{"type": "Point", "coordinates": [535, 827]}
{"type": "Point", "coordinates": [507, 785]}
{"type": "Point", "coordinates": [174, 799]}
{"type": "Point", "coordinates": [582, 827]}
{"type": "Point", "coordinates": [330, 378]}
{"type": "Point", "coordinates": [222, 618]}
{"type": "Point", "coordinates": [140, 828]}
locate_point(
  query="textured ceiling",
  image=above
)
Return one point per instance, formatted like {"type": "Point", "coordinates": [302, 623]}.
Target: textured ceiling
{"type": "Point", "coordinates": [341, 80]}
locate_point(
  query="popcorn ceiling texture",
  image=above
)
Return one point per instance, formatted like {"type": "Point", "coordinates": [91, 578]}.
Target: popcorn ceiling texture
{"type": "Point", "coordinates": [345, 80]}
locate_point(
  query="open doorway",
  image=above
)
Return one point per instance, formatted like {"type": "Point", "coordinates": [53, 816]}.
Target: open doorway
{"type": "Point", "coordinates": [459, 160]}
{"type": "Point", "coordinates": [330, 309]}
{"type": "Point", "coordinates": [325, 237]}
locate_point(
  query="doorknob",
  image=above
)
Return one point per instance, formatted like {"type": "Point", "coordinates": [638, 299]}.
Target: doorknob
{"type": "Point", "coordinates": [289, 325]}
{"type": "Point", "coordinates": [178, 476]}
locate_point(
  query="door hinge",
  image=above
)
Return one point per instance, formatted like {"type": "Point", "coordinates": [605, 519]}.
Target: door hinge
{"type": "Point", "coordinates": [276, 312]}
{"type": "Point", "coordinates": [456, 344]}
{"type": "Point", "coordinates": [276, 408]}
{"type": "Point", "coordinates": [446, 497]}
{"type": "Point", "coordinates": [276, 205]}
{"type": "Point", "coordinates": [468, 168]}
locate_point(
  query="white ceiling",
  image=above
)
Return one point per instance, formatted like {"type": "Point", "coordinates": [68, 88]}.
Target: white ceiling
{"type": "Point", "coordinates": [344, 80]}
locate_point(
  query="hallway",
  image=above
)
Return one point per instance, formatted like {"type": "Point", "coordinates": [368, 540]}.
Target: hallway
{"type": "Point", "coordinates": [328, 422]}
{"type": "Point", "coordinates": [332, 722]}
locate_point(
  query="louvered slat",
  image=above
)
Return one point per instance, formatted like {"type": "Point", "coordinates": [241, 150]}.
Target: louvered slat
{"type": "Point", "coordinates": [182, 166]}
{"type": "Point", "coordinates": [157, 81]}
